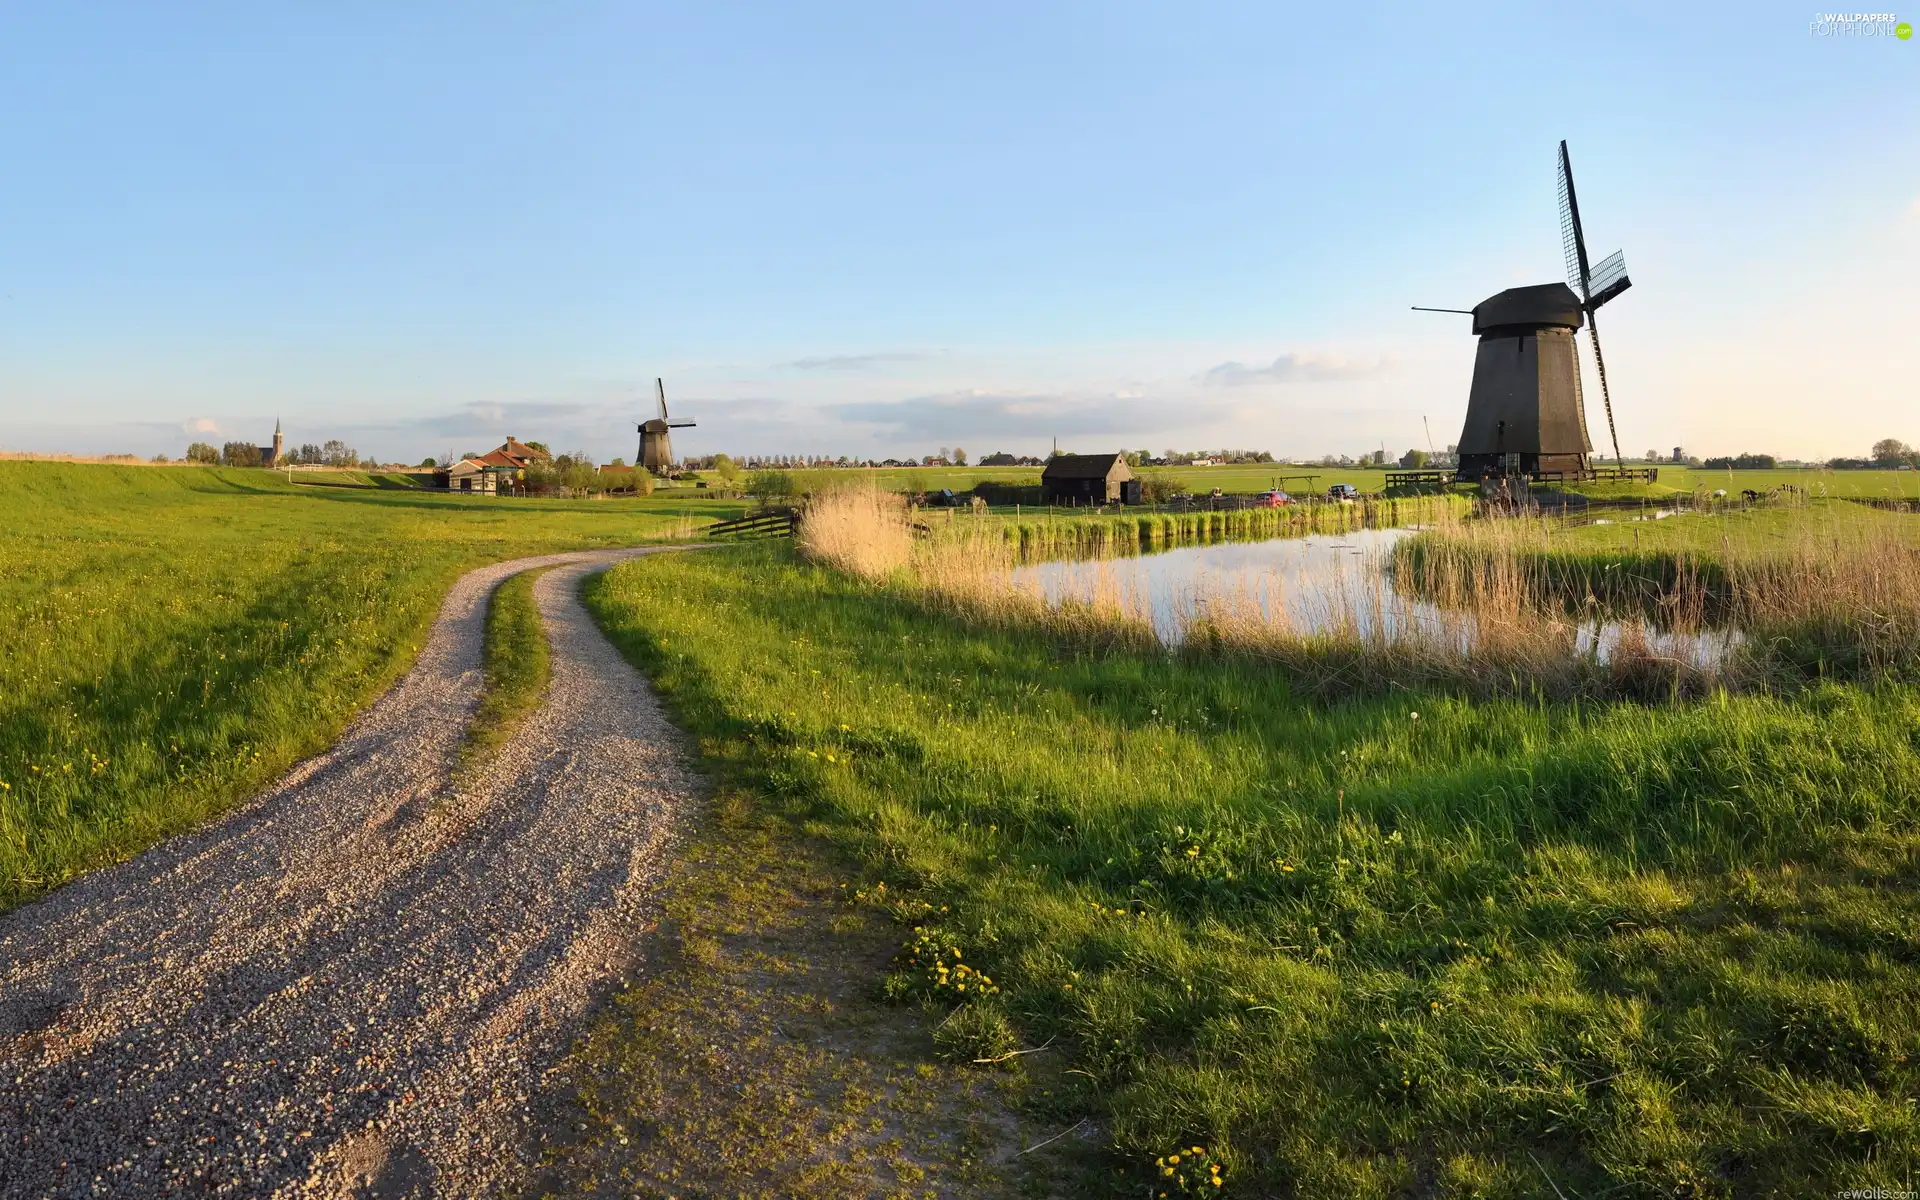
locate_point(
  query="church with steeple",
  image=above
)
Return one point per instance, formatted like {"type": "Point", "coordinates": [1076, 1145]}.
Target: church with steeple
{"type": "Point", "coordinates": [270, 455]}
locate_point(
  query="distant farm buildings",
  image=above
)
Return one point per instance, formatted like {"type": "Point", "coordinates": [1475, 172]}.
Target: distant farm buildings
{"type": "Point", "coordinates": [1091, 479]}
{"type": "Point", "coordinates": [503, 469]}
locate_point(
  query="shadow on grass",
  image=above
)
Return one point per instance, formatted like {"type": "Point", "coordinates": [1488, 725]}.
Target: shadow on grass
{"type": "Point", "coordinates": [1351, 947]}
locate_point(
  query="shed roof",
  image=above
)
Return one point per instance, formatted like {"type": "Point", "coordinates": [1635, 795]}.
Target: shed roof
{"type": "Point", "coordinates": [1080, 466]}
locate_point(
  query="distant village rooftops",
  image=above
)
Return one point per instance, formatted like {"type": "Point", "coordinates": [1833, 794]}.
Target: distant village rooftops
{"type": "Point", "coordinates": [515, 454]}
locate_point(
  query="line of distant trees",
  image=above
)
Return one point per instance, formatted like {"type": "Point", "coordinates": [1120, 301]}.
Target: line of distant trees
{"type": "Point", "coordinates": [957, 457]}
{"type": "Point", "coordinates": [335, 453]}
{"type": "Point", "coordinates": [1889, 454]}
{"type": "Point", "coordinates": [1741, 462]}
{"type": "Point", "coordinates": [245, 454]}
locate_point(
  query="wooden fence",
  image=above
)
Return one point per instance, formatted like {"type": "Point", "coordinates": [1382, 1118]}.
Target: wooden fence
{"type": "Point", "coordinates": [765, 523]}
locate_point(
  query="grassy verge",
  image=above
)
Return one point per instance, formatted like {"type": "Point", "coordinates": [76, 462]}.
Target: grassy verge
{"type": "Point", "coordinates": [1405, 944]}
{"type": "Point", "coordinates": [517, 666]}
{"type": "Point", "coordinates": [755, 1059]}
{"type": "Point", "coordinates": [177, 638]}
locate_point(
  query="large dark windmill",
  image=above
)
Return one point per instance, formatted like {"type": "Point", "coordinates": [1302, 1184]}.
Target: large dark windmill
{"type": "Point", "coordinates": [656, 444]}
{"type": "Point", "coordinates": [1526, 414]}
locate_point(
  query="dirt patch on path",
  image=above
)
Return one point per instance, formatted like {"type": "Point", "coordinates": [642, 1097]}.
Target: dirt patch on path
{"type": "Point", "coordinates": [357, 983]}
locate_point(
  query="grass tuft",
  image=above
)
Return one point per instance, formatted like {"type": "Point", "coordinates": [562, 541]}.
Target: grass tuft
{"type": "Point", "coordinates": [518, 666]}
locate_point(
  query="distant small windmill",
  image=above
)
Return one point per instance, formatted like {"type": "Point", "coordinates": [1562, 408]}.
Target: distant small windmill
{"type": "Point", "coordinates": [656, 444]}
{"type": "Point", "coordinates": [1525, 413]}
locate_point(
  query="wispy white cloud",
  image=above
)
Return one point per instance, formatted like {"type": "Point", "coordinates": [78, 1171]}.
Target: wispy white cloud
{"type": "Point", "coordinates": [978, 414]}
{"type": "Point", "coordinates": [1293, 367]}
{"type": "Point", "coordinates": [200, 425]}
{"type": "Point", "coordinates": [856, 362]}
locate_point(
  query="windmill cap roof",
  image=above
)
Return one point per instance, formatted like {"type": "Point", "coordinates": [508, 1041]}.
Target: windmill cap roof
{"type": "Point", "coordinates": [1540, 304]}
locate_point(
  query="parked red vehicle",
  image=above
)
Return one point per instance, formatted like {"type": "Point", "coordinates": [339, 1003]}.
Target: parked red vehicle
{"type": "Point", "coordinates": [1274, 499]}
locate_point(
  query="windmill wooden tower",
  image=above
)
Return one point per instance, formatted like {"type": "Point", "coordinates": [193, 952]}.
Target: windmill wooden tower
{"type": "Point", "coordinates": [656, 444]}
{"type": "Point", "coordinates": [1525, 413]}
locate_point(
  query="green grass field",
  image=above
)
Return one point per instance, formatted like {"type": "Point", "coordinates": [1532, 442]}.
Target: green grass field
{"type": "Point", "coordinates": [177, 637]}
{"type": "Point", "coordinates": [1814, 481]}
{"type": "Point", "coordinates": [1404, 943]}
{"type": "Point", "coordinates": [518, 666]}
{"type": "Point", "coordinates": [392, 480]}
{"type": "Point", "coordinates": [1313, 480]}
{"type": "Point", "coordinates": [1398, 945]}
{"type": "Point", "coordinates": [1200, 480]}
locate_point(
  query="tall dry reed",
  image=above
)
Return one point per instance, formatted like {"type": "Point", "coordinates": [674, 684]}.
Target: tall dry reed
{"type": "Point", "coordinates": [860, 530]}
{"type": "Point", "coordinates": [971, 574]}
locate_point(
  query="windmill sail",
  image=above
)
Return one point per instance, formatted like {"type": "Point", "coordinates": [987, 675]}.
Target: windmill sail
{"type": "Point", "coordinates": [1572, 243]}
{"type": "Point", "coordinates": [1611, 278]}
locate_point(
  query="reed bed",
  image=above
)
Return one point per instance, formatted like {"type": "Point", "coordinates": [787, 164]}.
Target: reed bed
{"type": "Point", "coordinates": [1036, 537]}
{"type": "Point", "coordinates": [1821, 590]}
{"type": "Point", "coordinates": [862, 531]}
{"type": "Point", "coordinates": [868, 533]}
{"type": "Point", "coordinates": [1524, 606]}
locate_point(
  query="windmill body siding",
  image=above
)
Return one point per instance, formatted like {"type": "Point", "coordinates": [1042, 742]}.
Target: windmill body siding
{"type": "Point", "coordinates": [656, 448]}
{"type": "Point", "coordinates": [1085, 478]}
{"type": "Point", "coordinates": [1525, 401]}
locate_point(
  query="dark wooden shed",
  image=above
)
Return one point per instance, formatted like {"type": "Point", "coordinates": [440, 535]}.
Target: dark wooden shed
{"type": "Point", "coordinates": [1085, 478]}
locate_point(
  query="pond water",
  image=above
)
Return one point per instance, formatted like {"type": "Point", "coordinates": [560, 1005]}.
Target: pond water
{"type": "Point", "coordinates": [1321, 583]}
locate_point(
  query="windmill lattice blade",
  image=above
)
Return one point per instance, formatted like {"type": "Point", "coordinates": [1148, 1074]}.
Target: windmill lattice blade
{"type": "Point", "coordinates": [661, 387]}
{"type": "Point", "coordinates": [1609, 279]}
{"type": "Point", "coordinates": [1572, 240]}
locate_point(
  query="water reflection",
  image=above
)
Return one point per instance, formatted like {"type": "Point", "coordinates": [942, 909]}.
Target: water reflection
{"type": "Point", "coordinates": [1324, 583]}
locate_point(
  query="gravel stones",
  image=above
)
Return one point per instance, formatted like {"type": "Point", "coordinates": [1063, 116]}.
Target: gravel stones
{"type": "Point", "coordinates": [357, 983]}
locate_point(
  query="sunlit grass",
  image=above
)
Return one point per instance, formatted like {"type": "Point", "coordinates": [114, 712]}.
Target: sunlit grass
{"type": "Point", "coordinates": [1399, 943]}
{"type": "Point", "coordinates": [174, 638]}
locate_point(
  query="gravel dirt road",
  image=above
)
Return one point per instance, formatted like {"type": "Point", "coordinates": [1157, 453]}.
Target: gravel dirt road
{"type": "Point", "coordinates": [359, 983]}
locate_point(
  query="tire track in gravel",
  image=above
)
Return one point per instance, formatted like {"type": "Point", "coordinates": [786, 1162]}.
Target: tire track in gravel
{"type": "Point", "coordinates": [358, 982]}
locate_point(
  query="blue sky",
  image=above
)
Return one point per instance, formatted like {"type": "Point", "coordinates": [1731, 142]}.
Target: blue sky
{"type": "Point", "coordinates": [880, 229]}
